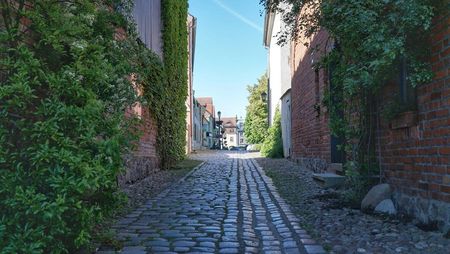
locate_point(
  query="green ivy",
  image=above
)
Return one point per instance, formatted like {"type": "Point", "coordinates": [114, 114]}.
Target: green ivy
{"type": "Point", "coordinates": [172, 116]}
{"type": "Point", "coordinates": [65, 85]}
{"type": "Point", "coordinates": [370, 39]}
{"type": "Point", "coordinates": [63, 94]}
{"type": "Point", "coordinates": [164, 82]}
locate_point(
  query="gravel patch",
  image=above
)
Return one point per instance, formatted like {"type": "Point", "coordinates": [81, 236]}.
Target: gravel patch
{"type": "Point", "coordinates": [345, 230]}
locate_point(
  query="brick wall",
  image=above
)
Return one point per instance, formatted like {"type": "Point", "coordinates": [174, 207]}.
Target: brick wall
{"type": "Point", "coordinates": [310, 133]}
{"type": "Point", "coordinates": [416, 158]}
{"type": "Point", "coordinates": [144, 160]}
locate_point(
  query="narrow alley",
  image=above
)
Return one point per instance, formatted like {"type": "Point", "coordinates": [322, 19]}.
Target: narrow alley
{"type": "Point", "coordinates": [226, 205]}
{"type": "Point", "coordinates": [224, 126]}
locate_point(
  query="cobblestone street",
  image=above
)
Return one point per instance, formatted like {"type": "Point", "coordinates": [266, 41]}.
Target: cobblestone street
{"type": "Point", "coordinates": [226, 205]}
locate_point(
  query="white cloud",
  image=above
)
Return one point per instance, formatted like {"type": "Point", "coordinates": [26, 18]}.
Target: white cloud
{"type": "Point", "coordinates": [238, 15]}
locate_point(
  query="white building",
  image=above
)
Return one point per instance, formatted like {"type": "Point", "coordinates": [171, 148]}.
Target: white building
{"type": "Point", "coordinates": [279, 76]}
{"type": "Point", "coordinates": [230, 136]}
{"type": "Point", "coordinates": [192, 26]}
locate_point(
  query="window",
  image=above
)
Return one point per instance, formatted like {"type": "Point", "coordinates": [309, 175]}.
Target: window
{"type": "Point", "coordinates": [407, 93]}
{"type": "Point", "coordinates": [231, 139]}
{"type": "Point", "coordinates": [195, 131]}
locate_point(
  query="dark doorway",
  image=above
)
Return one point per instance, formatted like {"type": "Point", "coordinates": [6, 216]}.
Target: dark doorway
{"type": "Point", "coordinates": [337, 151]}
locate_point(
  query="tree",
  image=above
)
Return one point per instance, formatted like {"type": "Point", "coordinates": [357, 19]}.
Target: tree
{"type": "Point", "coordinates": [256, 118]}
{"type": "Point", "coordinates": [273, 144]}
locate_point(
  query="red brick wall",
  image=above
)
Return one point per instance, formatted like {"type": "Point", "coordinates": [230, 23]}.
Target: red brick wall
{"type": "Point", "coordinates": [416, 159]}
{"type": "Point", "coordinates": [310, 133]}
{"type": "Point", "coordinates": [147, 142]}
{"type": "Point", "coordinates": [144, 160]}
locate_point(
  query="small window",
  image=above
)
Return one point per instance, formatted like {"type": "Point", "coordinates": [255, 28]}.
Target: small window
{"type": "Point", "coordinates": [195, 131]}
{"type": "Point", "coordinates": [231, 139]}
{"type": "Point", "coordinates": [407, 93]}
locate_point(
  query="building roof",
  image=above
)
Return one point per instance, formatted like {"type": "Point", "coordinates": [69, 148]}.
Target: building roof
{"type": "Point", "coordinates": [205, 100]}
{"type": "Point", "coordinates": [229, 122]}
{"type": "Point", "coordinates": [268, 26]}
{"type": "Point", "coordinates": [208, 103]}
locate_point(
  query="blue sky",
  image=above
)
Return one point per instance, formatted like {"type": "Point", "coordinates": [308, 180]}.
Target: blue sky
{"type": "Point", "coordinates": [229, 53]}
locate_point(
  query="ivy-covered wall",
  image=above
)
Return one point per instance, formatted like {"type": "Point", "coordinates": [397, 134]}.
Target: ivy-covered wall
{"type": "Point", "coordinates": [172, 118]}
{"type": "Point", "coordinates": [415, 144]}
{"type": "Point", "coordinates": [65, 87]}
{"type": "Point", "coordinates": [391, 108]}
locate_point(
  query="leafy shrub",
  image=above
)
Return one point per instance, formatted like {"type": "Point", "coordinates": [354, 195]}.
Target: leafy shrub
{"type": "Point", "coordinates": [65, 85]}
{"type": "Point", "coordinates": [64, 90]}
{"type": "Point", "coordinates": [358, 183]}
{"type": "Point", "coordinates": [273, 144]}
{"type": "Point", "coordinates": [254, 147]}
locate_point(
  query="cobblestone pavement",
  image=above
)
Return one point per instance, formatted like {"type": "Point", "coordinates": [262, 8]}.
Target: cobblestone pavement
{"type": "Point", "coordinates": [227, 205]}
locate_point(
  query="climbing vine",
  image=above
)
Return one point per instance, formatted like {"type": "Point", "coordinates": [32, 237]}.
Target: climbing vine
{"type": "Point", "coordinates": [172, 136]}
{"type": "Point", "coordinates": [164, 82]}
{"type": "Point", "coordinates": [368, 41]}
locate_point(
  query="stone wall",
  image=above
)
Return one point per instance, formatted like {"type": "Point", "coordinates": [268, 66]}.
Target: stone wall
{"type": "Point", "coordinates": [316, 165]}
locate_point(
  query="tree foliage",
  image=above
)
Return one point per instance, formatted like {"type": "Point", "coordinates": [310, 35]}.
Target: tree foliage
{"type": "Point", "coordinates": [65, 86]}
{"type": "Point", "coordinates": [273, 143]}
{"type": "Point", "coordinates": [368, 42]}
{"type": "Point", "coordinates": [256, 116]}
{"type": "Point", "coordinates": [63, 94]}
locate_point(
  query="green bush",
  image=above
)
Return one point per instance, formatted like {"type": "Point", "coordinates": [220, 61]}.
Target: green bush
{"type": "Point", "coordinates": [257, 147]}
{"type": "Point", "coordinates": [273, 143]}
{"type": "Point", "coordinates": [64, 90]}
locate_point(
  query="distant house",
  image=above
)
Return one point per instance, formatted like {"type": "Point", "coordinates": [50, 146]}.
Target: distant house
{"type": "Point", "coordinates": [230, 136]}
{"type": "Point", "coordinates": [208, 121]}
{"type": "Point", "coordinates": [279, 85]}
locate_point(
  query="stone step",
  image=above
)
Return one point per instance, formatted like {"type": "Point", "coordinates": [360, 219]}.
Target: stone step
{"type": "Point", "coordinates": [335, 168]}
{"type": "Point", "coordinates": [329, 179]}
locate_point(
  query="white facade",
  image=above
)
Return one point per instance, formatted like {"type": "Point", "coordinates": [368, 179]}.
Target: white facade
{"type": "Point", "coordinates": [230, 136]}
{"type": "Point", "coordinates": [191, 25]}
{"type": "Point", "coordinates": [231, 140]}
{"type": "Point", "coordinates": [279, 75]}
{"type": "Point", "coordinates": [286, 123]}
